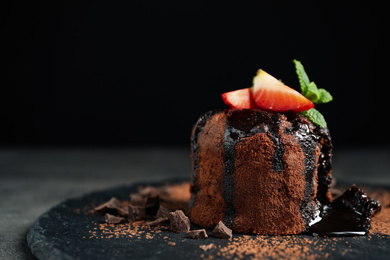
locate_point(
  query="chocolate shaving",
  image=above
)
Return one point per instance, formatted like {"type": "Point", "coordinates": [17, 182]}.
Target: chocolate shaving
{"type": "Point", "coordinates": [198, 234]}
{"type": "Point", "coordinates": [157, 222]}
{"type": "Point", "coordinates": [152, 205]}
{"type": "Point", "coordinates": [136, 213]}
{"type": "Point", "coordinates": [207, 247]}
{"type": "Point", "coordinates": [149, 191]}
{"type": "Point", "coordinates": [112, 204]}
{"type": "Point", "coordinates": [137, 200]}
{"type": "Point", "coordinates": [123, 211]}
{"type": "Point", "coordinates": [222, 231]}
{"type": "Point", "coordinates": [111, 219]}
{"type": "Point", "coordinates": [179, 221]}
{"type": "Point", "coordinates": [163, 212]}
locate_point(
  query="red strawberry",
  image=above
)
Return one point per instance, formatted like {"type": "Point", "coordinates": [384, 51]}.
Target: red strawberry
{"type": "Point", "coordinates": [271, 94]}
{"type": "Point", "coordinates": [241, 98]}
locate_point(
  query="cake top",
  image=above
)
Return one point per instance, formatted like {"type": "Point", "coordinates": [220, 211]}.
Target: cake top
{"type": "Point", "coordinates": [270, 94]}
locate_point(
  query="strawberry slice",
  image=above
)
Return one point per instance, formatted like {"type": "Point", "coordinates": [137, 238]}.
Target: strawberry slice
{"type": "Point", "coordinates": [271, 94]}
{"type": "Point", "coordinates": [241, 98]}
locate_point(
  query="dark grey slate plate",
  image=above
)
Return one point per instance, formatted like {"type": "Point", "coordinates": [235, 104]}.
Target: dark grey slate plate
{"type": "Point", "coordinates": [64, 233]}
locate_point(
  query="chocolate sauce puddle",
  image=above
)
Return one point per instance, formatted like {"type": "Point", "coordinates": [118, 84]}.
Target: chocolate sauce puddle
{"type": "Point", "coordinates": [348, 215]}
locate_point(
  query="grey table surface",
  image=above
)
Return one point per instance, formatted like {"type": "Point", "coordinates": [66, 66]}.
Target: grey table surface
{"type": "Point", "coordinates": [32, 180]}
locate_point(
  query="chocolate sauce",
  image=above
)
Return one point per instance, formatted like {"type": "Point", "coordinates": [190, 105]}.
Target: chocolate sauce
{"type": "Point", "coordinates": [349, 215]}
{"type": "Point", "coordinates": [309, 143]}
{"type": "Point", "coordinates": [324, 163]}
{"type": "Point", "coordinates": [229, 144]}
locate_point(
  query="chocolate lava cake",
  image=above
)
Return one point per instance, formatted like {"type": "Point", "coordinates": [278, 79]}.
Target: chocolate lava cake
{"type": "Point", "coordinates": [259, 172]}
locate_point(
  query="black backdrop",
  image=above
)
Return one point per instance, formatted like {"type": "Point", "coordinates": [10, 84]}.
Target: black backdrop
{"type": "Point", "coordinates": [141, 72]}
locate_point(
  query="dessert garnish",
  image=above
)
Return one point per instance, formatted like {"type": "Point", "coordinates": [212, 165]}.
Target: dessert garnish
{"type": "Point", "coordinates": [111, 219]}
{"type": "Point", "coordinates": [113, 205]}
{"type": "Point", "coordinates": [316, 95]}
{"type": "Point", "coordinates": [179, 222]}
{"type": "Point", "coordinates": [270, 94]}
{"type": "Point", "coordinates": [136, 213]}
{"type": "Point", "coordinates": [241, 98]}
{"type": "Point", "coordinates": [198, 234]}
{"type": "Point", "coordinates": [222, 231]}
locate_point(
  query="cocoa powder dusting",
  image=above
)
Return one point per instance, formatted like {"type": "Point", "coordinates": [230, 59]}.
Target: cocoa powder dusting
{"type": "Point", "coordinates": [244, 246]}
{"type": "Point", "coordinates": [381, 222]}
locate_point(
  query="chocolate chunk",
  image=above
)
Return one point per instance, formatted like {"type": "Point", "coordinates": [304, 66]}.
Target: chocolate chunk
{"type": "Point", "coordinates": [148, 191]}
{"type": "Point", "coordinates": [156, 222]}
{"type": "Point", "coordinates": [152, 205]}
{"type": "Point", "coordinates": [207, 247]}
{"type": "Point", "coordinates": [222, 231]}
{"type": "Point", "coordinates": [163, 212]}
{"type": "Point", "coordinates": [123, 211]}
{"type": "Point", "coordinates": [137, 200]}
{"type": "Point", "coordinates": [179, 221]}
{"type": "Point", "coordinates": [136, 213]}
{"type": "Point", "coordinates": [111, 219]}
{"type": "Point", "coordinates": [112, 204]}
{"type": "Point", "coordinates": [357, 200]}
{"type": "Point", "coordinates": [198, 234]}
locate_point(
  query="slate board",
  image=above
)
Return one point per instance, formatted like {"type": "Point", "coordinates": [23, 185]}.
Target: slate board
{"type": "Point", "coordinates": [63, 233]}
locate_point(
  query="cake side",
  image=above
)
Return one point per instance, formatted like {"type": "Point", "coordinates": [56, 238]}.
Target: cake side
{"type": "Point", "coordinates": [207, 205]}
{"type": "Point", "coordinates": [269, 203]}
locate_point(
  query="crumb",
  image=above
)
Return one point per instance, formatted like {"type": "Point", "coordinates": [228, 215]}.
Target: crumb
{"type": "Point", "coordinates": [207, 247]}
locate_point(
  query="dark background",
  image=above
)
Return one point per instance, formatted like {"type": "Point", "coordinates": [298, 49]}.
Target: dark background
{"type": "Point", "coordinates": [141, 72]}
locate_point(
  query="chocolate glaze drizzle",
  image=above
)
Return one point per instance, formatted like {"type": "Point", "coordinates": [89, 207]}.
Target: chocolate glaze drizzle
{"type": "Point", "coordinates": [348, 215]}
{"type": "Point", "coordinates": [312, 137]}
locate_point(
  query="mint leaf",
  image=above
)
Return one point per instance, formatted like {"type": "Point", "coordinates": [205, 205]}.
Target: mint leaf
{"type": "Point", "coordinates": [302, 76]}
{"type": "Point", "coordinates": [325, 97]}
{"type": "Point", "coordinates": [313, 92]}
{"type": "Point", "coordinates": [315, 116]}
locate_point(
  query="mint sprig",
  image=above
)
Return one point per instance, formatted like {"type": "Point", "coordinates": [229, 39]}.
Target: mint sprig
{"type": "Point", "coordinates": [316, 95]}
{"type": "Point", "coordinates": [315, 116]}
